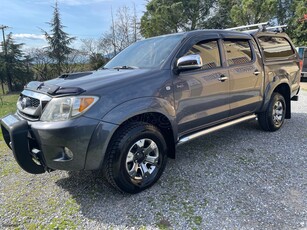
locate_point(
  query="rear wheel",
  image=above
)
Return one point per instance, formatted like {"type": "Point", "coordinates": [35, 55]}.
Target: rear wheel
{"type": "Point", "coordinates": [273, 118]}
{"type": "Point", "coordinates": [136, 157]}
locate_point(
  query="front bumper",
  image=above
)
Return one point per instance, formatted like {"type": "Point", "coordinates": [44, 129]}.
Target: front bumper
{"type": "Point", "coordinates": [75, 144]}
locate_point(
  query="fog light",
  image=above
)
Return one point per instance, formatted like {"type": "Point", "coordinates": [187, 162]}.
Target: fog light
{"type": "Point", "coordinates": [68, 153]}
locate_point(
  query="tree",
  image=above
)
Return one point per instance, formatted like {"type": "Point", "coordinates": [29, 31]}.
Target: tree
{"type": "Point", "coordinates": [41, 64]}
{"type": "Point", "coordinates": [220, 17]}
{"type": "Point", "coordinates": [172, 16]}
{"type": "Point", "coordinates": [94, 52]}
{"type": "Point", "coordinates": [59, 41]}
{"type": "Point", "coordinates": [298, 24]}
{"type": "Point", "coordinates": [123, 32]}
{"type": "Point", "coordinates": [247, 12]}
{"type": "Point", "coordinates": [285, 11]}
{"type": "Point", "coordinates": [15, 65]}
{"type": "Point", "coordinates": [76, 62]}
{"type": "Point", "coordinates": [161, 17]}
{"type": "Point", "coordinates": [2, 72]}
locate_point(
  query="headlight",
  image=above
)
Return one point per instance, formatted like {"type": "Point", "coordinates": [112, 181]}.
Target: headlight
{"type": "Point", "coordinates": [64, 108]}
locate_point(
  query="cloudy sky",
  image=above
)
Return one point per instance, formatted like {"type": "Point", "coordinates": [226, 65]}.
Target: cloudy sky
{"type": "Point", "coordinates": [82, 18]}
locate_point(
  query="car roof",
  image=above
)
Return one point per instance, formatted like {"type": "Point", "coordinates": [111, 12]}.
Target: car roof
{"type": "Point", "coordinates": [222, 33]}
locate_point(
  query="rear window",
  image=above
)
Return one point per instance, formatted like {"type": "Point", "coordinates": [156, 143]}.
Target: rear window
{"type": "Point", "coordinates": [275, 47]}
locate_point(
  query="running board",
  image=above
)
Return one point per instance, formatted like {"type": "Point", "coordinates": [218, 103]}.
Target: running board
{"type": "Point", "coordinates": [215, 128]}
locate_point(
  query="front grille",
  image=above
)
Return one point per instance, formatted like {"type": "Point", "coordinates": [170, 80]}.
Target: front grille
{"type": "Point", "coordinates": [34, 102]}
{"type": "Point", "coordinates": [31, 104]}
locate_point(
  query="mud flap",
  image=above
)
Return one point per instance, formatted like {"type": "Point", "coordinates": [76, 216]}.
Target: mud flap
{"type": "Point", "coordinates": [15, 133]}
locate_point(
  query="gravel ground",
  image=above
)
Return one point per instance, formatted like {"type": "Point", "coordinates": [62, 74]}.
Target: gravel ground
{"type": "Point", "coordinates": [237, 178]}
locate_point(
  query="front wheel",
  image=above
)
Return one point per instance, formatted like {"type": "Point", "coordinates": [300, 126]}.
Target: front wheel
{"type": "Point", "coordinates": [273, 118]}
{"type": "Point", "coordinates": [136, 157]}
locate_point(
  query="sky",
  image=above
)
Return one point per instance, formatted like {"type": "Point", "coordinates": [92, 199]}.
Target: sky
{"type": "Point", "coordinates": [81, 18]}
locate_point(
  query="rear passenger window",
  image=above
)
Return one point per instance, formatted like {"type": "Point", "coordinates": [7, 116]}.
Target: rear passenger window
{"type": "Point", "coordinates": [209, 52]}
{"type": "Point", "coordinates": [275, 47]}
{"type": "Point", "coordinates": [237, 52]}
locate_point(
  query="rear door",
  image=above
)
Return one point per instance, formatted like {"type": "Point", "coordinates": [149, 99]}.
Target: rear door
{"type": "Point", "coordinates": [245, 76]}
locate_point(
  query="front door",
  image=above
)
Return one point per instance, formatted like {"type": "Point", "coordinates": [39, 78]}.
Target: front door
{"type": "Point", "coordinates": [201, 96]}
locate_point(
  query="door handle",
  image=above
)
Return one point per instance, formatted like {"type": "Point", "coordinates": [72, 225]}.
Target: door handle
{"type": "Point", "coordinates": [257, 72]}
{"type": "Point", "coordinates": [179, 86]}
{"type": "Point", "coordinates": [222, 78]}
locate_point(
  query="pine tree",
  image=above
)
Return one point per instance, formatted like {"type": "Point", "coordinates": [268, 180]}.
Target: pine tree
{"type": "Point", "coordinates": [14, 65]}
{"type": "Point", "coordinates": [58, 40]}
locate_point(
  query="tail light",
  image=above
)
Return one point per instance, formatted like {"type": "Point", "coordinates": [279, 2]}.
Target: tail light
{"type": "Point", "coordinates": [301, 65]}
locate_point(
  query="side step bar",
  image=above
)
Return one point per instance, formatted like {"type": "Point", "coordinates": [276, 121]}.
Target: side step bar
{"type": "Point", "coordinates": [186, 139]}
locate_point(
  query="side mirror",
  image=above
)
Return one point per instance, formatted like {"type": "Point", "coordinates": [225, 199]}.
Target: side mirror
{"type": "Point", "coordinates": [190, 62]}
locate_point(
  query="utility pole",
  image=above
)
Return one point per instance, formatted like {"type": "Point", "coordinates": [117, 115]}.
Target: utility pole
{"type": "Point", "coordinates": [2, 27]}
{"type": "Point", "coordinates": [113, 34]}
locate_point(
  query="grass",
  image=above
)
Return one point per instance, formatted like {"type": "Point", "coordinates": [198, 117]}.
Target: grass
{"type": "Point", "coordinates": [22, 204]}
{"type": "Point", "coordinates": [7, 105]}
{"type": "Point", "coordinates": [29, 213]}
{"type": "Point", "coordinates": [185, 209]}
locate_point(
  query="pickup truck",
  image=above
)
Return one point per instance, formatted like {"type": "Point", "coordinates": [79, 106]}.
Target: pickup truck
{"type": "Point", "coordinates": [126, 119]}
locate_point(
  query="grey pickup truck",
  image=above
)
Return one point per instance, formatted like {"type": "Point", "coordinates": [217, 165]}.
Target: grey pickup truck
{"type": "Point", "coordinates": [127, 118]}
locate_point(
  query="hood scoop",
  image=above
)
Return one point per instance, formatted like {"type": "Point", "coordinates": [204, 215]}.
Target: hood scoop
{"type": "Point", "coordinates": [71, 76]}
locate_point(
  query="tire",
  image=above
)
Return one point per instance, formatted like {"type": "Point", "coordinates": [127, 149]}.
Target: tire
{"type": "Point", "coordinates": [136, 157]}
{"type": "Point", "coordinates": [273, 118]}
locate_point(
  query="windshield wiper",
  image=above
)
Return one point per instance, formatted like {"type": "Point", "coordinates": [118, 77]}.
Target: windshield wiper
{"type": "Point", "coordinates": [125, 67]}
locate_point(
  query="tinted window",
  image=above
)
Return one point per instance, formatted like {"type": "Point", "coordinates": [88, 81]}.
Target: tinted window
{"type": "Point", "coordinates": [237, 52]}
{"type": "Point", "coordinates": [301, 52]}
{"type": "Point", "coordinates": [209, 52]}
{"type": "Point", "coordinates": [275, 47]}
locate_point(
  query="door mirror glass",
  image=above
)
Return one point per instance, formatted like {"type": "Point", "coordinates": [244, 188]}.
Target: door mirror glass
{"type": "Point", "coordinates": [190, 62]}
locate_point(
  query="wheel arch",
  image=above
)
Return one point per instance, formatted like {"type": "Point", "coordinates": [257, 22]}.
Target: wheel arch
{"type": "Point", "coordinates": [156, 111]}
{"type": "Point", "coordinates": [284, 90]}
{"type": "Point", "coordinates": [160, 121]}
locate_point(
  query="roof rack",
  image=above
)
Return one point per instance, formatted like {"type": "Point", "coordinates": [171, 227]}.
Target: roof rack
{"type": "Point", "coordinates": [261, 27]}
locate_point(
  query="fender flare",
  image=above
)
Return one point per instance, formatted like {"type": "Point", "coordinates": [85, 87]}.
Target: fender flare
{"type": "Point", "coordinates": [129, 109]}
{"type": "Point", "coordinates": [271, 88]}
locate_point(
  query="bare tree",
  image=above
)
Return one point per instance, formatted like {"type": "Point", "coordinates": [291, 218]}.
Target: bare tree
{"type": "Point", "coordinates": [76, 62]}
{"type": "Point", "coordinates": [95, 51]}
{"type": "Point", "coordinates": [41, 64]}
{"type": "Point", "coordinates": [123, 31]}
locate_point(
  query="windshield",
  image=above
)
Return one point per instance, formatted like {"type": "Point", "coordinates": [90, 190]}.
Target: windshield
{"type": "Point", "coordinates": [148, 53]}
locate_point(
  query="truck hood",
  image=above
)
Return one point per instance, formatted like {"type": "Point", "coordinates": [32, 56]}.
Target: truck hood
{"type": "Point", "coordinates": [77, 83]}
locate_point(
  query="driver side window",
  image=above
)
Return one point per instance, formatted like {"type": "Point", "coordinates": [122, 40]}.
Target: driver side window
{"type": "Point", "coordinates": [209, 52]}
